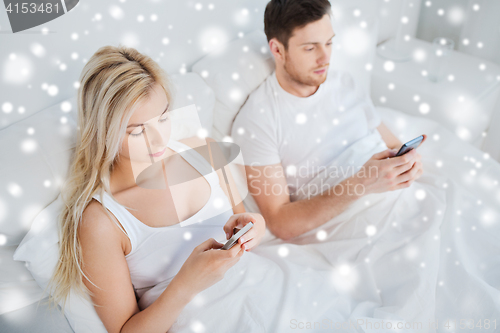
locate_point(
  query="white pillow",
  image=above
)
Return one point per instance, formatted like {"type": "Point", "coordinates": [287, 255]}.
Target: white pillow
{"type": "Point", "coordinates": [34, 161]}
{"type": "Point", "coordinates": [39, 247]}
{"type": "Point", "coordinates": [40, 250]}
{"type": "Point", "coordinates": [190, 89]}
{"type": "Point", "coordinates": [355, 42]}
{"type": "Point", "coordinates": [390, 18]}
{"type": "Point", "coordinates": [17, 287]}
{"type": "Point", "coordinates": [233, 74]}
{"type": "Point", "coordinates": [389, 13]}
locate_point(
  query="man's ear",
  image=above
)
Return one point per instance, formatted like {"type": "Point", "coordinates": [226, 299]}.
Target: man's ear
{"type": "Point", "coordinates": [277, 49]}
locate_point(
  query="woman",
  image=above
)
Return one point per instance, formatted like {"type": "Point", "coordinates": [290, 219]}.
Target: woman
{"type": "Point", "coordinates": [124, 127]}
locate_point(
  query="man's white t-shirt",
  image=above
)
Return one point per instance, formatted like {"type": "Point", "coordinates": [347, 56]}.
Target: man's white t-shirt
{"type": "Point", "coordinates": [274, 126]}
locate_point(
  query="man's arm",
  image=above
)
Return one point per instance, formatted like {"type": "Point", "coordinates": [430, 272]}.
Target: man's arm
{"type": "Point", "coordinates": [390, 139]}
{"type": "Point", "coordinates": [286, 219]}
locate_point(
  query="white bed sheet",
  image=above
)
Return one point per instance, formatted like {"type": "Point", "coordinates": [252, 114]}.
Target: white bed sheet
{"type": "Point", "coordinates": [433, 260]}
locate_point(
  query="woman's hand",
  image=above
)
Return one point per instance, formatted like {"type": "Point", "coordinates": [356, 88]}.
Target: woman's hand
{"type": "Point", "coordinates": [205, 266]}
{"type": "Point", "coordinates": [253, 236]}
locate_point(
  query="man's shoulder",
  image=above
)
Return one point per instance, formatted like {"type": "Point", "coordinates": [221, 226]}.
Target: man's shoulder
{"type": "Point", "coordinates": [262, 98]}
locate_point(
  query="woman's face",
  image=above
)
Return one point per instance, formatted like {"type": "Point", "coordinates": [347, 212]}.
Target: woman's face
{"type": "Point", "coordinates": [148, 130]}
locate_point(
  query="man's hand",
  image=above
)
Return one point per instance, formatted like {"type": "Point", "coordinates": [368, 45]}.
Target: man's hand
{"type": "Point", "coordinates": [384, 172]}
{"type": "Point", "coordinates": [417, 167]}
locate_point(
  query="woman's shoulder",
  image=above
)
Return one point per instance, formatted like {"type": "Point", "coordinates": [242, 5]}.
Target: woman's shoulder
{"type": "Point", "coordinates": [94, 217]}
{"type": "Point", "coordinates": [93, 210]}
{"type": "Point", "coordinates": [96, 223]}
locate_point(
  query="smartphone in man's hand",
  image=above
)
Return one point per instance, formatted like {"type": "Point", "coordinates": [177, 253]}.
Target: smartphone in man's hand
{"type": "Point", "coordinates": [412, 144]}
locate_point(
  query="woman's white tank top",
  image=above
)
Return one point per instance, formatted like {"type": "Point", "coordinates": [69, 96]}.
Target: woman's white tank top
{"type": "Point", "coordinates": [158, 253]}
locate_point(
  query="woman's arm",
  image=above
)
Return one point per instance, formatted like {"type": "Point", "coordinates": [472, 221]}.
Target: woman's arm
{"type": "Point", "coordinates": [201, 270]}
{"type": "Point", "coordinates": [106, 266]}
{"type": "Point", "coordinates": [162, 313]}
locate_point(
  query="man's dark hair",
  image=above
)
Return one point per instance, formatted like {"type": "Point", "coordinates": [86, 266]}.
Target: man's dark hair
{"type": "Point", "coordinates": [283, 16]}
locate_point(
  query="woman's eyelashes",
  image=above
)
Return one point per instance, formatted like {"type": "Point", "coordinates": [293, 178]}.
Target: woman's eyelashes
{"type": "Point", "coordinates": [161, 120]}
{"type": "Point", "coordinates": [133, 134]}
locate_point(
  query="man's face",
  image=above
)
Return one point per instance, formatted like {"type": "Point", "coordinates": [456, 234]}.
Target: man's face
{"type": "Point", "coordinates": [309, 49]}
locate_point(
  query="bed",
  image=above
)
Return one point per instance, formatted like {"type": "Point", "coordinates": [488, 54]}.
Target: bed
{"type": "Point", "coordinates": [429, 251]}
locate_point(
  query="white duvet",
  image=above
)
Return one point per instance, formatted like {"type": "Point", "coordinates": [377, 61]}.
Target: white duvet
{"type": "Point", "coordinates": [420, 259]}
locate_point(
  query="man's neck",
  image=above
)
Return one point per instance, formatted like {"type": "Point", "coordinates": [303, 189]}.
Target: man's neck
{"type": "Point", "coordinates": [292, 86]}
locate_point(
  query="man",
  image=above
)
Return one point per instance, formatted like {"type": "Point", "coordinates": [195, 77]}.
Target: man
{"type": "Point", "coordinates": [303, 114]}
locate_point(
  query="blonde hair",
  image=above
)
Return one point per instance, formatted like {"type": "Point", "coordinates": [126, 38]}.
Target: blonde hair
{"type": "Point", "coordinates": [112, 84]}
